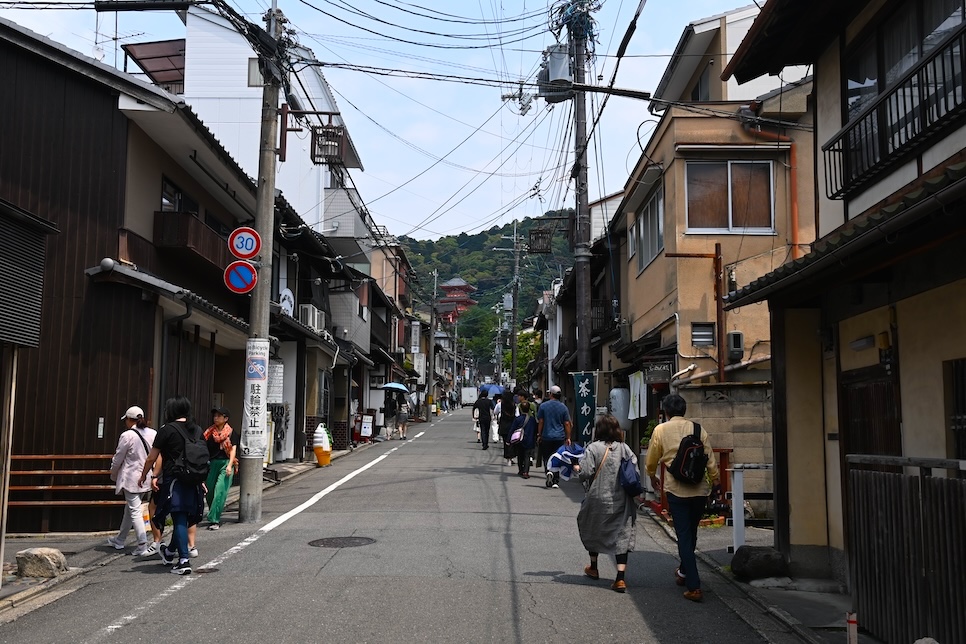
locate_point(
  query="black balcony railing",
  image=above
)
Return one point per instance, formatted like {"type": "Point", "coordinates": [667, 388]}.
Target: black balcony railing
{"type": "Point", "coordinates": [913, 112]}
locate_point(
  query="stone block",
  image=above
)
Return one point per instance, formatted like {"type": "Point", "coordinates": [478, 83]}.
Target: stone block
{"type": "Point", "coordinates": [758, 562]}
{"type": "Point", "coordinates": [41, 562]}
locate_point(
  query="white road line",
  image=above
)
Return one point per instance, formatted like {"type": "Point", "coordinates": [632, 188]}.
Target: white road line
{"type": "Point", "coordinates": [217, 561]}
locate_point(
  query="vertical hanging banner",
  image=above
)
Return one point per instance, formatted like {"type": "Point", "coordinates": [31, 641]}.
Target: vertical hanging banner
{"type": "Point", "coordinates": [585, 405]}
{"type": "Point", "coordinates": [254, 432]}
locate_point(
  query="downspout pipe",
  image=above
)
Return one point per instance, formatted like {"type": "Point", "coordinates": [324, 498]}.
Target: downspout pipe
{"type": "Point", "coordinates": [749, 115]}
{"type": "Point", "coordinates": [172, 322]}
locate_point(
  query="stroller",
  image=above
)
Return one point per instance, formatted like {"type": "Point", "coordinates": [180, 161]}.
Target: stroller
{"type": "Point", "coordinates": [561, 462]}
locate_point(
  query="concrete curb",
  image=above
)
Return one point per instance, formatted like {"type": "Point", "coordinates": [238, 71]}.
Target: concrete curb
{"type": "Point", "coordinates": [757, 598]}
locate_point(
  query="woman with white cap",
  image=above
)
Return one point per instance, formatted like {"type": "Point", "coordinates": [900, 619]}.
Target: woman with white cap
{"type": "Point", "coordinates": [133, 446]}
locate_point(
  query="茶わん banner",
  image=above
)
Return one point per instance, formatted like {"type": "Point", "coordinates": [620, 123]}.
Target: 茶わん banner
{"type": "Point", "coordinates": [585, 406]}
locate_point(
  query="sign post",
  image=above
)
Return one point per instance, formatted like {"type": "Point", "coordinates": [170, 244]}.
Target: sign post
{"type": "Point", "coordinates": [254, 434]}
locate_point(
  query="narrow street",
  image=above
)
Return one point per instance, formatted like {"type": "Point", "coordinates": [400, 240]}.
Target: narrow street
{"type": "Point", "coordinates": [462, 550]}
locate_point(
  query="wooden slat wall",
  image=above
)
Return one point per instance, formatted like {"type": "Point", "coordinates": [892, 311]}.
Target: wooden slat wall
{"type": "Point", "coordinates": [64, 153]}
{"type": "Point", "coordinates": [907, 556]}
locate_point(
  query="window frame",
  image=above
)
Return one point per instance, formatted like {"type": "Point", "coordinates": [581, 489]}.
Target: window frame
{"type": "Point", "coordinates": [873, 33]}
{"type": "Point", "coordinates": [731, 229]}
{"type": "Point", "coordinates": [651, 210]}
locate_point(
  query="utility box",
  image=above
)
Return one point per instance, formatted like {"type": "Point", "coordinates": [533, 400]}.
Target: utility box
{"type": "Point", "coordinates": [736, 346]}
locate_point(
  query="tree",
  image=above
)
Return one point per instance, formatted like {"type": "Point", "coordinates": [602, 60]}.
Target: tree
{"type": "Point", "coordinates": [528, 349]}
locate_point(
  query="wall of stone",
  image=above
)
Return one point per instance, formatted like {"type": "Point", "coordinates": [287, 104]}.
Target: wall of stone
{"type": "Point", "coordinates": [737, 416]}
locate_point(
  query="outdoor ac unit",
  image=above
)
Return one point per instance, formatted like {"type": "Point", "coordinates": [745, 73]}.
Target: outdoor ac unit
{"type": "Point", "coordinates": [312, 317]}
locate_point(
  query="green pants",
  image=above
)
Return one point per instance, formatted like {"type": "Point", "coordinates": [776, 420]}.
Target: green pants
{"type": "Point", "coordinates": [218, 484]}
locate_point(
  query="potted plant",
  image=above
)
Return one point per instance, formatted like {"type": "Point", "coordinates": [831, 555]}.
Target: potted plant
{"type": "Point", "coordinates": [646, 435]}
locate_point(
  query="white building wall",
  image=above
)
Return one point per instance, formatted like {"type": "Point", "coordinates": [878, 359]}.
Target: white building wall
{"type": "Point", "coordinates": [216, 87]}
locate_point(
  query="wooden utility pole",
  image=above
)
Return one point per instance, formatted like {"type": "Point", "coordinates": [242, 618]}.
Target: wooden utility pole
{"type": "Point", "coordinates": [254, 434]}
{"type": "Point", "coordinates": [582, 252]}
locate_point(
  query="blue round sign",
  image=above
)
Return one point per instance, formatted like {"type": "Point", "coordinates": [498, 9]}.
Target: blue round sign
{"type": "Point", "coordinates": [240, 277]}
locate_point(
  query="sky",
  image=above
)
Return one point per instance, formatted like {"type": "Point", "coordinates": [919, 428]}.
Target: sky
{"type": "Point", "coordinates": [442, 157]}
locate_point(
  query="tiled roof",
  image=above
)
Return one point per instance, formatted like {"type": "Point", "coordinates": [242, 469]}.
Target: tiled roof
{"type": "Point", "coordinates": [853, 236]}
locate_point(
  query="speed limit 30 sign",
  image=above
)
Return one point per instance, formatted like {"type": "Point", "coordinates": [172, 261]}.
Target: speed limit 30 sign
{"type": "Point", "coordinates": [244, 243]}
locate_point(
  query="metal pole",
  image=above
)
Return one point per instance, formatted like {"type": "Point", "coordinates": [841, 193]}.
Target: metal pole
{"type": "Point", "coordinates": [719, 311]}
{"type": "Point", "coordinates": [582, 252]}
{"type": "Point", "coordinates": [516, 299]}
{"type": "Point", "coordinates": [431, 367]}
{"type": "Point", "coordinates": [254, 438]}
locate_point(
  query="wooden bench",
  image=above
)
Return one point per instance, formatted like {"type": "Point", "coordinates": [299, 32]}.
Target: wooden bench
{"type": "Point", "coordinates": [46, 475]}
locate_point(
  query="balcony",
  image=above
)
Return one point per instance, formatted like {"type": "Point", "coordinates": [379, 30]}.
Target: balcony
{"type": "Point", "coordinates": [917, 110]}
{"type": "Point", "coordinates": [379, 330]}
{"type": "Point", "coordinates": [601, 319]}
{"type": "Point", "coordinates": [185, 233]}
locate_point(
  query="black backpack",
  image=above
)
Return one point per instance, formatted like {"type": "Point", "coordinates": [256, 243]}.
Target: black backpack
{"type": "Point", "coordinates": [690, 462]}
{"type": "Point", "coordinates": [192, 465]}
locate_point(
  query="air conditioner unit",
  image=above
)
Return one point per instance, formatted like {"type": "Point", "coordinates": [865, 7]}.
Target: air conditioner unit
{"type": "Point", "coordinates": [312, 317]}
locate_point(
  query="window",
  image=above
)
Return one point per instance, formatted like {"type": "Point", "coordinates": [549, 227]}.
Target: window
{"type": "Point", "coordinates": [324, 397]}
{"type": "Point", "coordinates": [649, 229]}
{"type": "Point", "coordinates": [731, 196]}
{"type": "Point", "coordinates": [702, 334]}
{"type": "Point", "coordinates": [632, 238]}
{"type": "Point", "coordinates": [881, 61]}
{"type": "Point", "coordinates": [702, 89]}
{"type": "Point", "coordinates": [255, 78]}
{"type": "Point", "coordinates": [173, 199]}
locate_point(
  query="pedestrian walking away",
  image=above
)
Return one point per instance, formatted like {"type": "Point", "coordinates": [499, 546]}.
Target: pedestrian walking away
{"type": "Point", "coordinates": [526, 425]}
{"type": "Point", "coordinates": [686, 501]}
{"type": "Point", "coordinates": [222, 447]}
{"type": "Point", "coordinates": [133, 446]}
{"type": "Point", "coordinates": [508, 413]}
{"type": "Point", "coordinates": [483, 413]}
{"type": "Point", "coordinates": [181, 445]}
{"type": "Point", "coordinates": [402, 417]}
{"type": "Point", "coordinates": [608, 514]}
{"type": "Point", "coordinates": [553, 430]}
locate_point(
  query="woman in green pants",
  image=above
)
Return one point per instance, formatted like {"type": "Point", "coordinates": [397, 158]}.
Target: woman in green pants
{"type": "Point", "coordinates": [222, 442]}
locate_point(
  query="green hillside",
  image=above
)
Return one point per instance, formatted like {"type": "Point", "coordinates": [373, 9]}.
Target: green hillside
{"type": "Point", "coordinates": [472, 257]}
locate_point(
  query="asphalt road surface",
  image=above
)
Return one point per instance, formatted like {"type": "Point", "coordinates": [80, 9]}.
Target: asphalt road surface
{"type": "Point", "coordinates": [462, 550]}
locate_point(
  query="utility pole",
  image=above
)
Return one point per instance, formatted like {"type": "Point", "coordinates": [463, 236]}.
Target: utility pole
{"type": "Point", "coordinates": [516, 298]}
{"type": "Point", "coordinates": [431, 367]}
{"type": "Point", "coordinates": [254, 432]}
{"type": "Point", "coordinates": [582, 252]}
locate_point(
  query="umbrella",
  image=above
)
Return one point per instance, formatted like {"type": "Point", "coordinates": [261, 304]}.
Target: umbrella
{"type": "Point", "coordinates": [492, 390]}
{"type": "Point", "coordinates": [396, 386]}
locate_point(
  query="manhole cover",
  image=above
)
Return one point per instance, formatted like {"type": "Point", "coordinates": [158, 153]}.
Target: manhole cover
{"type": "Point", "coordinates": [341, 542]}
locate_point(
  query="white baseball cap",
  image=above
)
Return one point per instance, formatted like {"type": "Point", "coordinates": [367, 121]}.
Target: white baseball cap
{"type": "Point", "coordinates": [554, 390]}
{"type": "Point", "coordinates": [133, 413]}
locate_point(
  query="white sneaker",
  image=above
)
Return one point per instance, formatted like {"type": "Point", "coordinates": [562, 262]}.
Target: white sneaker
{"type": "Point", "coordinates": [151, 549]}
{"type": "Point", "coordinates": [140, 550]}
{"type": "Point", "coordinates": [192, 552]}
{"type": "Point", "coordinates": [114, 543]}
{"type": "Point", "coordinates": [506, 461]}
{"type": "Point", "coordinates": [555, 486]}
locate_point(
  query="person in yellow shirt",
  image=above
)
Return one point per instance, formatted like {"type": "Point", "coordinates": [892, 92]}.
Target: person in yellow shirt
{"type": "Point", "coordinates": [686, 501]}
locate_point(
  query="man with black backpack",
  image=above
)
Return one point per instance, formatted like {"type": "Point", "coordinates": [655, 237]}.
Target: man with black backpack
{"type": "Point", "coordinates": [692, 474]}
{"type": "Point", "coordinates": [181, 445]}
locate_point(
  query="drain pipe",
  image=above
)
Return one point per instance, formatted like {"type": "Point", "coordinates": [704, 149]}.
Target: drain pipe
{"type": "Point", "coordinates": [749, 113]}
{"type": "Point", "coordinates": [714, 372]}
{"type": "Point", "coordinates": [178, 319]}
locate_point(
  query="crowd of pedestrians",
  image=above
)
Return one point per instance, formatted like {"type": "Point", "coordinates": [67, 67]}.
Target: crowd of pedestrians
{"type": "Point", "coordinates": [173, 474]}
{"type": "Point", "coordinates": [526, 424]}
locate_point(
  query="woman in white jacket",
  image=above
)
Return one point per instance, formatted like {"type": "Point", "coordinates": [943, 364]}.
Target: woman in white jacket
{"type": "Point", "coordinates": [133, 446]}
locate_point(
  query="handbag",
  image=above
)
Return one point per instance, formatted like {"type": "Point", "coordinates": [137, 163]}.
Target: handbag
{"type": "Point", "coordinates": [517, 435]}
{"type": "Point", "coordinates": [630, 478]}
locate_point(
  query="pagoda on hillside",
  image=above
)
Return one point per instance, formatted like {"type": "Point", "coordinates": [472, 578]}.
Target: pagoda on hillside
{"type": "Point", "coordinates": [456, 299]}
